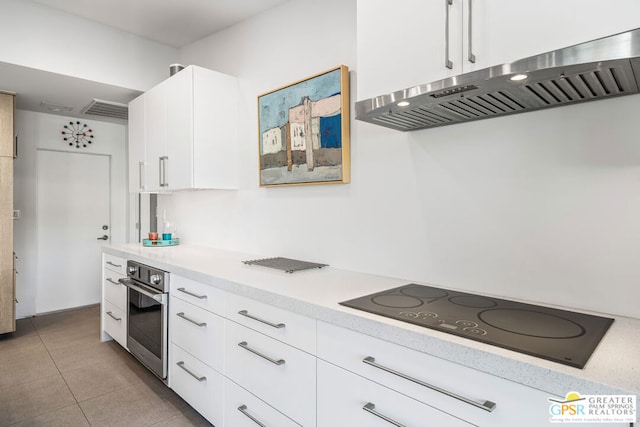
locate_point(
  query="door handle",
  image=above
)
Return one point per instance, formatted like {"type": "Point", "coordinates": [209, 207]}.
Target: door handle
{"type": "Point", "coordinates": [105, 237]}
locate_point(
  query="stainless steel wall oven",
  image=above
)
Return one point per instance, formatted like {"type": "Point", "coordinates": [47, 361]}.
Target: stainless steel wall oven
{"type": "Point", "coordinates": [147, 315]}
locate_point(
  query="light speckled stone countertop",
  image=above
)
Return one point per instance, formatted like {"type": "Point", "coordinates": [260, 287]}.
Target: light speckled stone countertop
{"type": "Point", "coordinates": [612, 369]}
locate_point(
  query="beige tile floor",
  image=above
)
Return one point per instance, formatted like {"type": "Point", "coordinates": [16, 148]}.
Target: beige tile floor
{"type": "Point", "coordinates": [54, 371]}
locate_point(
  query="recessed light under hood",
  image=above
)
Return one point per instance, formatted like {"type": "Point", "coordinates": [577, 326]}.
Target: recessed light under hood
{"type": "Point", "coordinates": [589, 71]}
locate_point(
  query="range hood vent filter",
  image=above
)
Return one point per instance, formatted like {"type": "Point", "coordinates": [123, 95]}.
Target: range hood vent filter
{"type": "Point", "coordinates": [586, 72]}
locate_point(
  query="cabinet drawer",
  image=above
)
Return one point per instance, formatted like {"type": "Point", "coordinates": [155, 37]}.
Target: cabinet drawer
{"type": "Point", "coordinates": [114, 322]}
{"type": "Point", "coordinates": [283, 325]}
{"type": "Point", "coordinates": [200, 294]}
{"type": "Point", "coordinates": [240, 406]}
{"type": "Point", "coordinates": [197, 331]}
{"type": "Point", "coordinates": [513, 401]}
{"type": "Point", "coordinates": [114, 291]}
{"type": "Point", "coordinates": [115, 264]}
{"type": "Point", "coordinates": [343, 400]}
{"type": "Point", "coordinates": [199, 385]}
{"type": "Point", "coordinates": [282, 376]}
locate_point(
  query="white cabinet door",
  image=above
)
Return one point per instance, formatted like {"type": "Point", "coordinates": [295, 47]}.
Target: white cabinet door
{"type": "Point", "coordinates": [137, 169]}
{"type": "Point", "coordinates": [450, 387]}
{"type": "Point", "coordinates": [215, 130]}
{"type": "Point", "coordinates": [403, 43]}
{"type": "Point", "coordinates": [178, 167]}
{"type": "Point", "coordinates": [155, 135]}
{"type": "Point", "coordinates": [197, 331]}
{"type": "Point", "coordinates": [243, 409]}
{"type": "Point", "coordinates": [277, 373]}
{"type": "Point", "coordinates": [345, 399]}
{"type": "Point", "coordinates": [114, 322]}
{"type": "Point", "coordinates": [199, 385]}
{"type": "Point", "coordinates": [286, 326]}
{"type": "Point", "coordinates": [504, 30]}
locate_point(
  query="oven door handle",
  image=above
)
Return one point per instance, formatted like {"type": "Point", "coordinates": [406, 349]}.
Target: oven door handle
{"type": "Point", "coordinates": [160, 297]}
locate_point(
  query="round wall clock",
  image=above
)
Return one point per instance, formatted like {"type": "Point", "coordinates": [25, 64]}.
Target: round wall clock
{"type": "Point", "coordinates": [78, 134]}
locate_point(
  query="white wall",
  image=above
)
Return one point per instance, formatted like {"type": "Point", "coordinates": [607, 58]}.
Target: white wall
{"type": "Point", "coordinates": [43, 38]}
{"type": "Point", "coordinates": [541, 206]}
{"type": "Point", "coordinates": [42, 131]}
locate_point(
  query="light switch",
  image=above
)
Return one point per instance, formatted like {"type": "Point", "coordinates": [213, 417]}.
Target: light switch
{"type": "Point", "coordinates": [16, 214]}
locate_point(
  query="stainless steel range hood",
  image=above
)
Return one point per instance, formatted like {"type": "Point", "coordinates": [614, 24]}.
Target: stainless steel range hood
{"type": "Point", "coordinates": [588, 71]}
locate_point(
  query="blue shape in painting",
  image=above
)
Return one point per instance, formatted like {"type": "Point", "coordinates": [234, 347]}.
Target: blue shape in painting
{"type": "Point", "coordinates": [330, 131]}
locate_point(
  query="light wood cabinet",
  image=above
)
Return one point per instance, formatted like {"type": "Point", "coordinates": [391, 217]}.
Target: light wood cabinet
{"type": "Point", "coordinates": [7, 259]}
{"type": "Point", "coordinates": [183, 133]}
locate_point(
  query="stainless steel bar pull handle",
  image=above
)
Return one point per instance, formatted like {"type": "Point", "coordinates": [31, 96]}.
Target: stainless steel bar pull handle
{"type": "Point", "coordinates": [243, 409]}
{"type": "Point", "coordinates": [110, 280]}
{"type": "Point", "coordinates": [486, 405]}
{"type": "Point", "coordinates": [141, 175]}
{"type": "Point", "coordinates": [163, 171]}
{"type": "Point", "coordinates": [115, 265]}
{"type": "Point", "coordinates": [471, 57]}
{"type": "Point", "coordinates": [370, 408]}
{"type": "Point", "coordinates": [244, 345]}
{"type": "Point", "coordinates": [110, 314]}
{"type": "Point", "coordinates": [183, 290]}
{"type": "Point", "coordinates": [245, 313]}
{"type": "Point", "coordinates": [199, 378]}
{"type": "Point", "coordinates": [447, 61]}
{"type": "Point", "coordinates": [198, 324]}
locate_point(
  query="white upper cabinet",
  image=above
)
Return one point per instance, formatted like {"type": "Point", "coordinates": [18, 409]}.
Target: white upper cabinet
{"type": "Point", "coordinates": [504, 31]}
{"type": "Point", "coordinates": [411, 42]}
{"type": "Point", "coordinates": [190, 127]}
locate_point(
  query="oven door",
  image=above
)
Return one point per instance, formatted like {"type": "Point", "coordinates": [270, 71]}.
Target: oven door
{"type": "Point", "coordinates": [147, 316]}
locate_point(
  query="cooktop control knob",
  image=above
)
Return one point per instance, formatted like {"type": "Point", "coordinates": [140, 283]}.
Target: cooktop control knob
{"type": "Point", "coordinates": [132, 270]}
{"type": "Point", "coordinates": [156, 279]}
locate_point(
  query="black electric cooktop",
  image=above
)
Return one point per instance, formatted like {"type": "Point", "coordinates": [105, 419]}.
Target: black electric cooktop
{"type": "Point", "coordinates": [561, 336]}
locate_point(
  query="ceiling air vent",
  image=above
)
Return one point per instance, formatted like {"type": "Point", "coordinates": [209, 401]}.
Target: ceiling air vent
{"type": "Point", "coordinates": [115, 110]}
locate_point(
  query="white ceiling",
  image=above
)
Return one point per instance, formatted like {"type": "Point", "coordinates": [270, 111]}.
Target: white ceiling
{"type": "Point", "coordinates": [171, 22]}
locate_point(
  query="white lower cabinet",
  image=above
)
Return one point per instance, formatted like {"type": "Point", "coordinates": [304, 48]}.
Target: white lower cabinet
{"type": "Point", "coordinates": [199, 385]}
{"type": "Point", "coordinates": [114, 322]}
{"type": "Point", "coordinates": [477, 397]}
{"type": "Point", "coordinates": [243, 409]}
{"type": "Point", "coordinates": [281, 375]}
{"type": "Point", "coordinates": [114, 300]}
{"type": "Point", "coordinates": [198, 331]}
{"type": "Point", "coordinates": [346, 399]}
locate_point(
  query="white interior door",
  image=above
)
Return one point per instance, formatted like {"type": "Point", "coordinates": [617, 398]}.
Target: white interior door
{"type": "Point", "coordinates": [73, 212]}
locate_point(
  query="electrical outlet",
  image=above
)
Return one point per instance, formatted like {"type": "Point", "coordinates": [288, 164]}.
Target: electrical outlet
{"type": "Point", "coordinates": [16, 214]}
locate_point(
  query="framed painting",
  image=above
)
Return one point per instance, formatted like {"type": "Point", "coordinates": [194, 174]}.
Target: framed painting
{"type": "Point", "coordinates": [304, 131]}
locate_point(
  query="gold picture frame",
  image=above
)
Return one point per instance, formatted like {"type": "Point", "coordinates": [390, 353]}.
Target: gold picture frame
{"type": "Point", "coordinates": [310, 113]}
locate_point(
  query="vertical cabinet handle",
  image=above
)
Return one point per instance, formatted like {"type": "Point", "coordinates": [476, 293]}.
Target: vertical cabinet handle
{"type": "Point", "coordinates": [15, 147]}
{"type": "Point", "coordinates": [163, 171]}
{"type": "Point", "coordinates": [370, 408]}
{"type": "Point", "coordinates": [245, 313]}
{"type": "Point", "coordinates": [141, 177]}
{"type": "Point", "coordinates": [243, 409]}
{"type": "Point", "coordinates": [486, 405]}
{"type": "Point", "coordinates": [199, 378]}
{"type": "Point", "coordinates": [447, 61]}
{"type": "Point", "coordinates": [471, 57]}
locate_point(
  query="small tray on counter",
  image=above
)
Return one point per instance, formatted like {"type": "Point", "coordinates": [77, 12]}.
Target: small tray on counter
{"type": "Point", "coordinates": [287, 265]}
{"type": "Point", "coordinates": [172, 242]}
